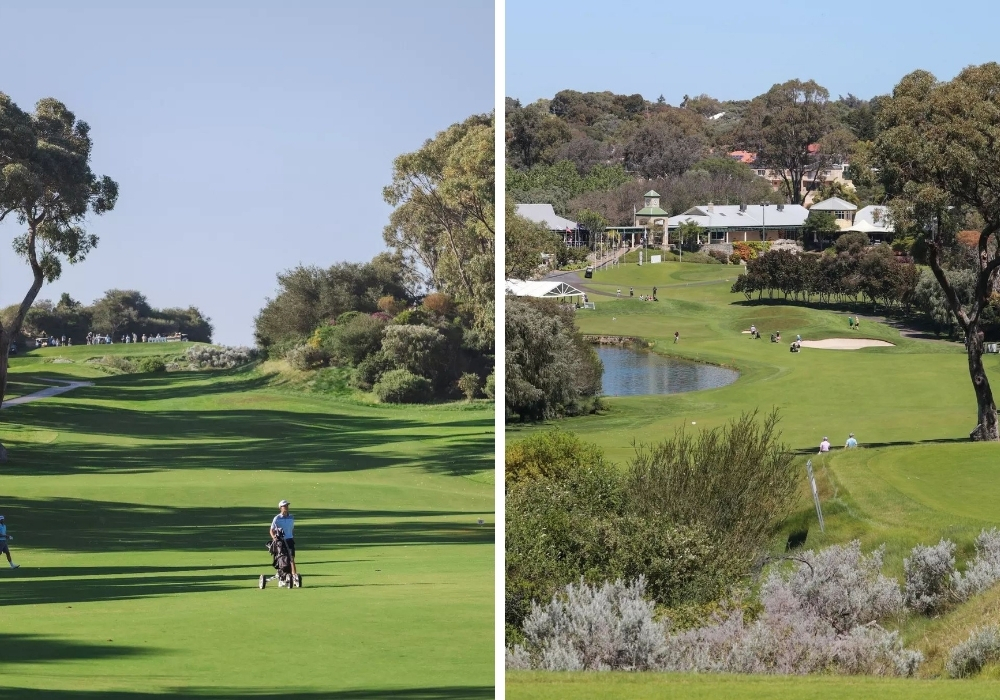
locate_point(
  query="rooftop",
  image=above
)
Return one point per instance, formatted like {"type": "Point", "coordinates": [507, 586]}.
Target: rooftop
{"type": "Point", "coordinates": [833, 204]}
{"type": "Point", "coordinates": [755, 216]}
{"type": "Point", "coordinates": [544, 214]}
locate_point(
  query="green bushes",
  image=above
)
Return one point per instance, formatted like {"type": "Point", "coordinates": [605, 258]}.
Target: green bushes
{"type": "Point", "coordinates": [306, 357]}
{"type": "Point", "coordinates": [421, 350]}
{"type": "Point", "coordinates": [355, 339]}
{"type": "Point", "coordinates": [691, 514]}
{"type": "Point", "coordinates": [152, 364]}
{"type": "Point", "coordinates": [730, 481]}
{"type": "Point", "coordinates": [550, 454]}
{"type": "Point", "coordinates": [402, 386]}
{"type": "Point", "coordinates": [551, 371]}
{"type": "Point", "coordinates": [468, 384]}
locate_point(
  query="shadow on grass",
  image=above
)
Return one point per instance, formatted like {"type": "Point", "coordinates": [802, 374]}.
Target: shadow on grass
{"type": "Point", "coordinates": [809, 451]}
{"type": "Point", "coordinates": [440, 693]}
{"type": "Point", "coordinates": [241, 440]}
{"type": "Point", "coordinates": [78, 525]}
{"type": "Point", "coordinates": [37, 649]}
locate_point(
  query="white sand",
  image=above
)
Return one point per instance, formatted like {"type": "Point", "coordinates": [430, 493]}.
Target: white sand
{"type": "Point", "coordinates": [846, 344]}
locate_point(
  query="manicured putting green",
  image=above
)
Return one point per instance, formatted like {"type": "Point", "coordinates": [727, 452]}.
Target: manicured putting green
{"type": "Point", "coordinates": [140, 508]}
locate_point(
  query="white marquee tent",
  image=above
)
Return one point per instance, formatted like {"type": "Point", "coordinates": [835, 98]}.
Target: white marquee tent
{"type": "Point", "coordinates": [542, 288]}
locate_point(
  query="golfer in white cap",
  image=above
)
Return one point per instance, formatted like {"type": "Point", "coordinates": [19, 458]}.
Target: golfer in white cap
{"type": "Point", "coordinates": [286, 522]}
{"type": "Point", "coordinates": [3, 543]}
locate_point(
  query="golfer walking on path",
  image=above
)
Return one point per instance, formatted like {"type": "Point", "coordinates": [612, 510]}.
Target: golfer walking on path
{"type": "Point", "coordinates": [3, 543]}
{"type": "Point", "coordinates": [286, 522]}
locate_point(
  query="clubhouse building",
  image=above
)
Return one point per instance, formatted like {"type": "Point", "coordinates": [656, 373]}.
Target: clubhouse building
{"type": "Point", "coordinates": [729, 223]}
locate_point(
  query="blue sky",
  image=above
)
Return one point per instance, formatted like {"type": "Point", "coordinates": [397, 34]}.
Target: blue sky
{"type": "Point", "coordinates": [736, 50]}
{"type": "Point", "coordinates": [246, 137]}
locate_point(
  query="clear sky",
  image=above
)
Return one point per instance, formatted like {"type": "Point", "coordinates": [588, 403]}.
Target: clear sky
{"type": "Point", "coordinates": [246, 137]}
{"type": "Point", "coordinates": [735, 50]}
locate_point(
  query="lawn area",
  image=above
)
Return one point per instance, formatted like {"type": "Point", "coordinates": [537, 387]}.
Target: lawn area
{"type": "Point", "coordinates": [140, 508]}
{"type": "Point", "coordinates": [915, 479]}
{"type": "Point", "coordinates": [669, 686]}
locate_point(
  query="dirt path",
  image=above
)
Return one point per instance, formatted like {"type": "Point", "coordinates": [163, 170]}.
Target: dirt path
{"type": "Point", "coordinates": [46, 393]}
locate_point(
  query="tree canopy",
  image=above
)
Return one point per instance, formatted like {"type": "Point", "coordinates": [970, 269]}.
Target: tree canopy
{"type": "Point", "coordinates": [442, 224]}
{"type": "Point", "coordinates": [938, 149]}
{"type": "Point", "coordinates": [47, 184]}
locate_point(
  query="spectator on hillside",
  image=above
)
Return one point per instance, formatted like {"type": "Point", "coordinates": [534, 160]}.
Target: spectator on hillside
{"type": "Point", "coordinates": [851, 442]}
{"type": "Point", "coordinates": [135, 338]}
{"type": "Point", "coordinates": [825, 445]}
{"type": "Point", "coordinates": [144, 337]}
{"type": "Point", "coordinates": [677, 336]}
{"type": "Point", "coordinates": [850, 321]}
{"type": "Point", "coordinates": [619, 291]}
{"type": "Point", "coordinates": [654, 292]}
{"type": "Point", "coordinates": [631, 292]}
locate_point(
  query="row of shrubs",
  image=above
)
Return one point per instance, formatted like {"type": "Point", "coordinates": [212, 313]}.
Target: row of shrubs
{"type": "Point", "coordinates": [822, 616]}
{"type": "Point", "coordinates": [691, 514]}
{"type": "Point", "coordinates": [401, 355]}
{"type": "Point", "coordinates": [197, 357]}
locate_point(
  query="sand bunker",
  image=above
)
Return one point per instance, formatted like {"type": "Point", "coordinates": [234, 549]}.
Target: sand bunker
{"type": "Point", "coordinates": [846, 344]}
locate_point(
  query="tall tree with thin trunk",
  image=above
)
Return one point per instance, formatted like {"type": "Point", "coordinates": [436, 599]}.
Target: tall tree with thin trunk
{"type": "Point", "coordinates": [938, 145]}
{"type": "Point", "coordinates": [781, 125]}
{"type": "Point", "coordinates": [47, 186]}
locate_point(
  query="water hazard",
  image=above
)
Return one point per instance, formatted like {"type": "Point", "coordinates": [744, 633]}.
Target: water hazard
{"type": "Point", "coordinates": [630, 372]}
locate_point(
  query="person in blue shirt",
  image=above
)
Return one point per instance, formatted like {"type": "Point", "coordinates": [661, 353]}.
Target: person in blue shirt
{"type": "Point", "coordinates": [851, 442]}
{"type": "Point", "coordinates": [285, 521]}
{"type": "Point", "coordinates": [4, 537]}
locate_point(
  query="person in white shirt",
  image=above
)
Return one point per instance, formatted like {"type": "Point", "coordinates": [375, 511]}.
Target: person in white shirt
{"type": "Point", "coordinates": [285, 521]}
{"type": "Point", "coordinates": [825, 445]}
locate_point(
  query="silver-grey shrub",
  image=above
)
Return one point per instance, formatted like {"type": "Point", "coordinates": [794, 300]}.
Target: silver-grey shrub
{"type": "Point", "coordinates": [594, 628]}
{"type": "Point", "coordinates": [842, 586]}
{"type": "Point", "coordinates": [983, 571]}
{"type": "Point", "coordinates": [219, 357]}
{"type": "Point", "coordinates": [968, 658]}
{"type": "Point", "coordinates": [792, 636]}
{"type": "Point", "coordinates": [930, 577]}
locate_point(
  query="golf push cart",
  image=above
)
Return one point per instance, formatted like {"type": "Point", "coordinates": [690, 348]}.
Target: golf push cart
{"type": "Point", "coordinates": [282, 561]}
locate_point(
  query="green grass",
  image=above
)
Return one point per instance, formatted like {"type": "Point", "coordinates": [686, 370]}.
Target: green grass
{"type": "Point", "coordinates": [140, 509]}
{"type": "Point", "coordinates": [667, 686]}
{"type": "Point", "coordinates": [916, 478]}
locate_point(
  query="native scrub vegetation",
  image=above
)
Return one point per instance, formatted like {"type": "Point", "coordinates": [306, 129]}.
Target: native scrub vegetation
{"type": "Point", "coordinates": [414, 324]}
{"type": "Point", "coordinates": [679, 514]}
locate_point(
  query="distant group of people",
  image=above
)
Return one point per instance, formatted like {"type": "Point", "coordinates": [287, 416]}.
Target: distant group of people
{"type": "Point", "coordinates": [105, 339]}
{"type": "Point", "coordinates": [850, 444]}
{"type": "Point", "coordinates": [53, 341]}
{"type": "Point", "coordinates": [642, 297]}
{"type": "Point", "coordinates": [855, 323]}
{"type": "Point", "coordinates": [776, 338]}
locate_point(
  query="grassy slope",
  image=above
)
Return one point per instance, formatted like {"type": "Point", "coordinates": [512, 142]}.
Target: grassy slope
{"type": "Point", "coordinates": [140, 509]}
{"type": "Point", "coordinates": [917, 478]}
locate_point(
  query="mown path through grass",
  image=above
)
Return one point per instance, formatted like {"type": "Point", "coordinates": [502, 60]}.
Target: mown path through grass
{"type": "Point", "coordinates": [916, 479]}
{"type": "Point", "coordinates": [140, 507]}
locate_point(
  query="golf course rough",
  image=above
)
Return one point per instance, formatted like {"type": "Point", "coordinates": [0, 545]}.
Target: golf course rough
{"type": "Point", "coordinates": [140, 508]}
{"type": "Point", "coordinates": [915, 479]}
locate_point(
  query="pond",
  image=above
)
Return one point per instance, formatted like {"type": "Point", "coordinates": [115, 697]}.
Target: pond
{"type": "Point", "coordinates": [630, 372]}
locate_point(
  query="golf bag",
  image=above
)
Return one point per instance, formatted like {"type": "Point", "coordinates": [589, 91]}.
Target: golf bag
{"type": "Point", "coordinates": [281, 557]}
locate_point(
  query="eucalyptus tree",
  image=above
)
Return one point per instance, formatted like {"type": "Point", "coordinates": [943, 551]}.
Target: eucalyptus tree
{"type": "Point", "coordinates": [47, 187]}
{"type": "Point", "coordinates": [938, 146]}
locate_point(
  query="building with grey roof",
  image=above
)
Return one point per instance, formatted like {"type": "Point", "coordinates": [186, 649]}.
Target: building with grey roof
{"type": "Point", "coordinates": [729, 223]}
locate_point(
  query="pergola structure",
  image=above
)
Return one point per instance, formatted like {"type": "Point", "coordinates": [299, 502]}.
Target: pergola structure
{"type": "Point", "coordinates": [543, 289]}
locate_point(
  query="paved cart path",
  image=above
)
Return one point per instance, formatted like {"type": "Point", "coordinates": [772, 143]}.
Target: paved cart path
{"type": "Point", "coordinates": [46, 393]}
